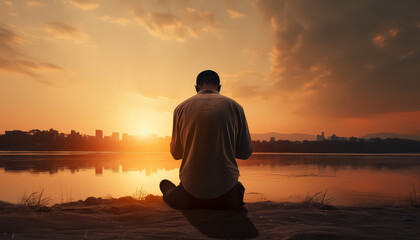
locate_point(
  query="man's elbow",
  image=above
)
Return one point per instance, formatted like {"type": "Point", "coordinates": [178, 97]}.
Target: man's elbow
{"type": "Point", "coordinates": [244, 155]}
{"type": "Point", "coordinates": [176, 154]}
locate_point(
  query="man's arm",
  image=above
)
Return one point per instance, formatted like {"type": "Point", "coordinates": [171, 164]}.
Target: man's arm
{"type": "Point", "coordinates": [176, 144]}
{"type": "Point", "coordinates": [243, 142]}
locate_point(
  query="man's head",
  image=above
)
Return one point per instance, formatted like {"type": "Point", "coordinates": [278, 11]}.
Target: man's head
{"type": "Point", "coordinates": [208, 79]}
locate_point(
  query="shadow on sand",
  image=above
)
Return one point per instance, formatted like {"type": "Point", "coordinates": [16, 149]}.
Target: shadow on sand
{"type": "Point", "coordinates": [230, 224]}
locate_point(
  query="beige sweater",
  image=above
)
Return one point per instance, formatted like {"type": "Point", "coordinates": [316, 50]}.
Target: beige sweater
{"type": "Point", "coordinates": [209, 132]}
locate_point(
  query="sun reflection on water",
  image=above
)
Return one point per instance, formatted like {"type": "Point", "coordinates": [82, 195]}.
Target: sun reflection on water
{"type": "Point", "coordinates": [350, 179]}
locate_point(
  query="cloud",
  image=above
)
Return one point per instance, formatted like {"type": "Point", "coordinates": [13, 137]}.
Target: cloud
{"type": "Point", "coordinates": [34, 4]}
{"type": "Point", "coordinates": [246, 84]}
{"type": "Point", "coordinates": [85, 4]}
{"type": "Point", "coordinates": [346, 58]}
{"type": "Point", "coordinates": [155, 92]}
{"type": "Point", "coordinates": [232, 7]}
{"type": "Point", "coordinates": [235, 14]}
{"type": "Point", "coordinates": [60, 30]}
{"type": "Point", "coordinates": [14, 61]}
{"type": "Point", "coordinates": [167, 25]}
{"type": "Point", "coordinates": [161, 99]}
{"type": "Point", "coordinates": [118, 20]}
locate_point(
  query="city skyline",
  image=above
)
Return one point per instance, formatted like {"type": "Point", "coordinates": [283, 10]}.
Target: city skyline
{"type": "Point", "coordinates": [52, 140]}
{"type": "Point", "coordinates": [99, 134]}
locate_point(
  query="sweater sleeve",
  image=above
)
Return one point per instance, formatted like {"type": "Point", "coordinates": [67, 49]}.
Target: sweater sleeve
{"type": "Point", "coordinates": [176, 144]}
{"type": "Point", "coordinates": [243, 141]}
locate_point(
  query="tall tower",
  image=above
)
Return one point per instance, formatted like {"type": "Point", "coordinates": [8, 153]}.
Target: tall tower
{"type": "Point", "coordinates": [99, 134]}
{"type": "Point", "coordinates": [115, 136]}
{"type": "Point", "coordinates": [320, 137]}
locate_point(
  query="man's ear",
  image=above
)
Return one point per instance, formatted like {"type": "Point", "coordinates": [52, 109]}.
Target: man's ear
{"type": "Point", "coordinates": [196, 88]}
{"type": "Point", "coordinates": [219, 87]}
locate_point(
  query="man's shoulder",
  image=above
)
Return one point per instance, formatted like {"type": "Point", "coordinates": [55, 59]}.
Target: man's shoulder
{"type": "Point", "coordinates": [185, 102]}
{"type": "Point", "coordinates": [222, 98]}
{"type": "Point", "coordinates": [231, 101]}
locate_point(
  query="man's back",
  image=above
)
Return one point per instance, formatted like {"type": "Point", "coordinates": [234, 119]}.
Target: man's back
{"type": "Point", "coordinates": [209, 131]}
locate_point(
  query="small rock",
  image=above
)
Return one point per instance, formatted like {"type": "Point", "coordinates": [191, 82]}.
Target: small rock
{"type": "Point", "coordinates": [43, 209]}
{"type": "Point", "coordinates": [126, 199]}
{"type": "Point", "coordinates": [327, 207]}
{"type": "Point", "coordinates": [93, 201]}
{"type": "Point", "coordinates": [152, 199]}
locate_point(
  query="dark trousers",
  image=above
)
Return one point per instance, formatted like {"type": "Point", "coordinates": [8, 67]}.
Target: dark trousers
{"type": "Point", "coordinates": [179, 198]}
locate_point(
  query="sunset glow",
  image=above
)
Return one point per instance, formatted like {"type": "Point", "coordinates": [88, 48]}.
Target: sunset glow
{"type": "Point", "coordinates": [209, 119]}
{"type": "Point", "coordinates": [123, 66]}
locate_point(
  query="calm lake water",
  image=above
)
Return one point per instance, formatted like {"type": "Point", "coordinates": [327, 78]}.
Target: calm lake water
{"type": "Point", "coordinates": [351, 179]}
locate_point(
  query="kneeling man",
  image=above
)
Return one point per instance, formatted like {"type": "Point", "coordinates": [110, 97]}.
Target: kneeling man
{"type": "Point", "coordinates": [209, 132]}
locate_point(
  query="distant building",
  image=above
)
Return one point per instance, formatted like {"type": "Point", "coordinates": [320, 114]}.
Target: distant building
{"type": "Point", "coordinates": [115, 136]}
{"type": "Point", "coordinates": [16, 133]}
{"type": "Point", "coordinates": [272, 139]}
{"type": "Point", "coordinates": [334, 137]}
{"type": "Point", "coordinates": [73, 133]}
{"type": "Point", "coordinates": [99, 134]}
{"type": "Point", "coordinates": [125, 137]}
{"type": "Point", "coordinates": [353, 139]}
{"type": "Point", "coordinates": [128, 138]}
{"type": "Point", "coordinates": [320, 137]}
{"type": "Point", "coordinates": [99, 170]}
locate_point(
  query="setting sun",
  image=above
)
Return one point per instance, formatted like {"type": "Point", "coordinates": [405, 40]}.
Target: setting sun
{"type": "Point", "coordinates": [145, 132]}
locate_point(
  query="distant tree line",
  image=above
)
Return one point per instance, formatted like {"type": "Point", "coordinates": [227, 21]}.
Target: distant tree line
{"type": "Point", "coordinates": [52, 140]}
{"type": "Point", "coordinates": [375, 145]}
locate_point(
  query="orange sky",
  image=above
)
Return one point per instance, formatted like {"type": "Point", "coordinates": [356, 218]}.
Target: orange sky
{"type": "Point", "coordinates": [295, 66]}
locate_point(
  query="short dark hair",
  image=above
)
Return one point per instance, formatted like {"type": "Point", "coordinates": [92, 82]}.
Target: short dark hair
{"type": "Point", "coordinates": [208, 77]}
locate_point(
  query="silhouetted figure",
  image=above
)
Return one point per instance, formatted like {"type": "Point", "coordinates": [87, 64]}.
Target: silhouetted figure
{"type": "Point", "coordinates": [209, 132]}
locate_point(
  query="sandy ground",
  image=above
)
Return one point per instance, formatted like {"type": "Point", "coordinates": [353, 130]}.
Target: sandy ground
{"type": "Point", "coordinates": [127, 218]}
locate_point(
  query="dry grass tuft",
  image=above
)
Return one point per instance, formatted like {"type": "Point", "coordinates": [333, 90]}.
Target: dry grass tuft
{"type": "Point", "coordinates": [414, 199]}
{"type": "Point", "coordinates": [109, 197]}
{"type": "Point", "coordinates": [139, 194]}
{"type": "Point", "coordinates": [319, 200]}
{"type": "Point", "coordinates": [35, 200]}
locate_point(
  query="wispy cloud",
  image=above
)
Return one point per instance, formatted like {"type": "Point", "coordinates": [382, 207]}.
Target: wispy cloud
{"type": "Point", "coordinates": [118, 20]}
{"type": "Point", "coordinates": [155, 92]}
{"type": "Point", "coordinates": [232, 7]}
{"type": "Point", "coordinates": [189, 22]}
{"type": "Point", "coordinates": [14, 61]}
{"type": "Point", "coordinates": [246, 84]}
{"type": "Point", "coordinates": [60, 30]}
{"type": "Point", "coordinates": [34, 4]}
{"type": "Point", "coordinates": [85, 4]}
{"type": "Point", "coordinates": [235, 14]}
